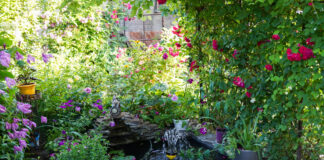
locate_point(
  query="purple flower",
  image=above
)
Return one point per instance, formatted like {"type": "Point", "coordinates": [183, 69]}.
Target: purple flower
{"type": "Point", "coordinates": [2, 92]}
{"type": "Point", "coordinates": [98, 101]}
{"type": "Point", "coordinates": [74, 144]}
{"type": "Point", "coordinates": [157, 113]}
{"type": "Point", "coordinates": [24, 107]}
{"type": "Point", "coordinates": [87, 90]}
{"type": "Point", "coordinates": [14, 126]}
{"type": "Point", "coordinates": [25, 121]}
{"type": "Point", "coordinates": [30, 59]}
{"type": "Point", "coordinates": [62, 143]}
{"type": "Point", "coordinates": [8, 126]}
{"type": "Point", "coordinates": [16, 120]}
{"type": "Point", "coordinates": [69, 86]}
{"type": "Point", "coordinates": [24, 129]}
{"type": "Point", "coordinates": [17, 149]}
{"type": "Point", "coordinates": [104, 112]}
{"type": "Point", "coordinates": [174, 98]}
{"type": "Point", "coordinates": [22, 143]}
{"type": "Point", "coordinates": [204, 123]}
{"type": "Point", "coordinates": [112, 124]}
{"type": "Point", "coordinates": [4, 58]}
{"type": "Point", "coordinates": [52, 155]}
{"type": "Point", "coordinates": [32, 124]}
{"type": "Point", "coordinates": [63, 132]}
{"type": "Point", "coordinates": [165, 56]}
{"type": "Point", "coordinates": [203, 131]}
{"type": "Point", "coordinates": [156, 45]}
{"type": "Point", "coordinates": [190, 80]}
{"type": "Point", "coordinates": [77, 109]}
{"type": "Point", "coordinates": [62, 106]}
{"type": "Point", "coordinates": [10, 82]}
{"type": "Point", "coordinates": [11, 136]}
{"type": "Point", "coordinates": [43, 119]}
{"type": "Point", "coordinates": [69, 149]}
{"type": "Point", "coordinates": [19, 56]}
{"type": "Point", "coordinates": [100, 107]}
{"type": "Point", "coordinates": [46, 57]}
{"type": "Point", "coordinates": [2, 109]}
{"type": "Point", "coordinates": [20, 134]}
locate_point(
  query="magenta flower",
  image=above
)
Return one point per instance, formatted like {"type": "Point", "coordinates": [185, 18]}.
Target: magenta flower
{"type": "Point", "coordinates": [19, 56]}
{"type": "Point", "coordinates": [161, 49]}
{"type": "Point", "coordinates": [43, 119]}
{"type": "Point", "coordinates": [187, 39]}
{"type": "Point", "coordinates": [275, 37]}
{"type": "Point", "coordinates": [16, 120]}
{"type": "Point", "coordinates": [10, 82]}
{"type": "Point", "coordinates": [22, 143]}
{"type": "Point", "coordinates": [77, 109]}
{"type": "Point", "coordinates": [293, 56]}
{"type": "Point", "coordinates": [234, 54]}
{"type": "Point", "coordinates": [24, 107]}
{"type": "Point", "coordinates": [178, 45]}
{"type": "Point", "coordinates": [4, 58]}
{"type": "Point", "coordinates": [52, 155]}
{"type": "Point", "coordinates": [165, 56]}
{"type": "Point", "coordinates": [238, 82]}
{"type": "Point", "coordinates": [87, 90]}
{"type": "Point", "coordinates": [162, 1]}
{"type": "Point", "coordinates": [46, 57]}
{"type": "Point", "coordinates": [2, 109]}
{"type": "Point", "coordinates": [157, 113]}
{"type": "Point", "coordinates": [306, 52]}
{"type": "Point", "coordinates": [61, 143]}
{"type": "Point", "coordinates": [63, 132]}
{"type": "Point", "coordinates": [17, 149]}
{"type": "Point", "coordinates": [189, 45]}
{"type": "Point", "coordinates": [112, 124]}
{"type": "Point", "coordinates": [174, 98]}
{"type": "Point", "coordinates": [203, 131]}
{"type": "Point", "coordinates": [2, 92]}
{"type": "Point", "coordinates": [190, 80]}
{"type": "Point", "coordinates": [156, 45]}
{"type": "Point", "coordinates": [30, 59]}
{"type": "Point", "coordinates": [100, 107]}
{"type": "Point", "coordinates": [215, 45]}
{"type": "Point", "coordinates": [310, 3]}
{"type": "Point", "coordinates": [125, 18]}
{"type": "Point", "coordinates": [308, 42]}
{"type": "Point", "coordinates": [25, 122]}
{"type": "Point", "coordinates": [248, 94]}
{"type": "Point", "coordinates": [129, 6]}
{"type": "Point", "coordinates": [11, 136]}
{"type": "Point", "coordinates": [268, 67]}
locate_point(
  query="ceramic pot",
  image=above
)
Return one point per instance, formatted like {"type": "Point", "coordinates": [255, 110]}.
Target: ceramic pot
{"type": "Point", "coordinates": [181, 125]}
{"type": "Point", "coordinates": [29, 89]}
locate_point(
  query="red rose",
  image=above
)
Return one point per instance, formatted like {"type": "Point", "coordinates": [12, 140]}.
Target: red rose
{"type": "Point", "coordinates": [275, 37]}
{"type": "Point", "coordinates": [268, 67]}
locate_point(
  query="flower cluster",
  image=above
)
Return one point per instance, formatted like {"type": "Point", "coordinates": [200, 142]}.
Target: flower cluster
{"type": "Point", "coordinates": [4, 58]}
{"type": "Point", "coordinates": [67, 104]}
{"type": "Point", "coordinates": [238, 82]}
{"type": "Point", "coordinates": [24, 107]}
{"type": "Point", "coordinates": [304, 53]}
{"type": "Point", "coordinates": [98, 104]}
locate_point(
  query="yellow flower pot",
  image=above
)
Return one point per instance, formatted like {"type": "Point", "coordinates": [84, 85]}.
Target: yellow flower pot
{"type": "Point", "coordinates": [28, 89]}
{"type": "Point", "coordinates": [171, 156]}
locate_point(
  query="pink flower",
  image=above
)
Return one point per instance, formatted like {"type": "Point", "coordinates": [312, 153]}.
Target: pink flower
{"type": "Point", "coordinates": [189, 45]}
{"type": "Point", "coordinates": [234, 54]}
{"type": "Point", "coordinates": [87, 90]}
{"type": "Point", "coordinates": [275, 37]}
{"type": "Point", "coordinates": [161, 49]}
{"type": "Point", "coordinates": [248, 94]}
{"type": "Point", "coordinates": [19, 56]}
{"type": "Point", "coordinates": [30, 59]}
{"type": "Point", "coordinates": [43, 119]}
{"type": "Point", "coordinates": [238, 82]}
{"type": "Point", "coordinates": [10, 82]}
{"type": "Point", "coordinates": [203, 131]}
{"type": "Point", "coordinates": [24, 107]}
{"type": "Point", "coordinates": [8, 126]}
{"type": "Point", "coordinates": [165, 56]}
{"type": "Point", "coordinates": [129, 6]}
{"type": "Point", "coordinates": [187, 39]}
{"type": "Point", "coordinates": [174, 98]}
{"type": "Point", "coordinates": [125, 18]}
{"type": "Point", "coordinates": [114, 11]}
{"type": "Point", "coordinates": [215, 45]}
{"type": "Point", "coordinates": [156, 45]}
{"type": "Point", "coordinates": [157, 113]}
{"type": "Point", "coordinates": [268, 67]}
{"type": "Point", "coordinates": [118, 55]}
{"type": "Point", "coordinates": [4, 58]}
{"type": "Point", "coordinates": [117, 22]}
{"type": "Point", "coordinates": [141, 62]}
{"type": "Point", "coordinates": [310, 3]}
{"type": "Point", "coordinates": [178, 45]}
{"type": "Point", "coordinates": [2, 109]}
{"type": "Point", "coordinates": [77, 109]}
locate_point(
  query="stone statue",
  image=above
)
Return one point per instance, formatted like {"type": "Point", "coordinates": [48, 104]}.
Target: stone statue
{"type": "Point", "coordinates": [174, 141]}
{"type": "Point", "coordinates": [115, 107]}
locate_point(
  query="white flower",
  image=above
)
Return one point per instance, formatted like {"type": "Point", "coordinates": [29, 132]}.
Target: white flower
{"type": "Point", "coordinates": [289, 88]}
{"type": "Point", "coordinates": [252, 100]}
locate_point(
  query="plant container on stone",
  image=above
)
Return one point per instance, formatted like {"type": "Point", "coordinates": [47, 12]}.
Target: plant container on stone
{"type": "Point", "coordinates": [180, 125]}
{"type": "Point", "coordinates": [249, 143]}
{"type": "Point", "coordinates": [26, 83]}
{"type": "Point", "coordinates": [220, 134]}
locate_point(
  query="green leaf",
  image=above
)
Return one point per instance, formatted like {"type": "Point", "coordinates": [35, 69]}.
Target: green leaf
{"type": "Point", "coordinates": [4, 74]}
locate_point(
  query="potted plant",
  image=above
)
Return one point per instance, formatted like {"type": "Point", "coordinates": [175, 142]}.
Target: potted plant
{"type": "Point", "coordinates": [180, 119]}
{"type": "Point", "coordinates": [246, 142]}
{"type": "Point", "coordinates": [26, 82]}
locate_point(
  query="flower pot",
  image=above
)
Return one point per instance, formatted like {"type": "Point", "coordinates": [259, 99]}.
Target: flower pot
{"type": "Point", "coordinates": [181, 125]}
{"type": "Point", "coordinates": [246, 155]}
{"type": "Point", "coordinates": [27, 89]}
{"type": "Point", "coordinates": [220, 133]}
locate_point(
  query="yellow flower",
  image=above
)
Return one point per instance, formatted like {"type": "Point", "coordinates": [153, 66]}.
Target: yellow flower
{"type": "Point", "coordinates": [77, 78]}
{"type": "Point", "coordinates": [126, 66]}
{"type": "Point", "coordinates": [70, 80]}
{"type": "Point", "coordinates": [137, 41]}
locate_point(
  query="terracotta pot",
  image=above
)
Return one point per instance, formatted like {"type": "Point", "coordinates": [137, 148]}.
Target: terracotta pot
{"type": "Point", "coordinates": [29, 89]}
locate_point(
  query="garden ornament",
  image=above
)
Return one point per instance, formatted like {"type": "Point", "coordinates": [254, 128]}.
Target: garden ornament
{"type": "Point", "coordinates": [173, 142]}
{"type": "Point", "coordinates": [115, 108]}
